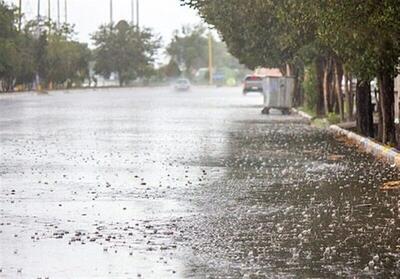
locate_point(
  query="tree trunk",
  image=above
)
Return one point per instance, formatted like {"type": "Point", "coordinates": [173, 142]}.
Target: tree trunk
{"type": "Point", "coordinates": [297, 91]}
{"type": "Point", "coordinates": [120, 79]}
{"type": "Point", "coordinates": [326, 86]}
{"type": "Point", "coordinates": [333, 106]}
{"type": "Point", "coordinates": [329, 97]}
{"type": "Point", "coordinates": [364, 114]}
{"type": "Point", "coordinates": [291, 71]}
{"type": "Point", "coordinates": [319, 65]}
{"type": "Point", "coordinates": [386, 86]}
{"type": "Point", "coordinates": [338, 87]}
{"type": "Point", "coordinates": [349, 97]}
{"type": "Point", "coordinates": [380, 118]}
{"type": "Point", "coordinates": [283, 69]}
{"type": "Point", "coordinates": [352, 96]}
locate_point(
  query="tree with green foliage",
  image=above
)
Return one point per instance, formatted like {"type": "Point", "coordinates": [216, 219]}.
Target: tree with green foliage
{"type": "Point", "coordinates": [265, 35]}
{"type": "Point", "coordinates": [339, 37]}
{"type": "Point", "coordinates": [59, 60]}
{"type": "Point", "coordinates": [67, 61]}
{"type": "Point", "coordinates": [171, 70]}
{"type": "Point", "coordinates": [366, 37]}
{"type": "Point", "coordinates": [189, 50]}
{"type": "Point", "coordinates": [8, 49]}
{"type": "Point", "coordinates": [40, 49]}
{"type": "Point", "coordinates": [26, 66]}
{"type": "Point", "coordinates": [125, 50]}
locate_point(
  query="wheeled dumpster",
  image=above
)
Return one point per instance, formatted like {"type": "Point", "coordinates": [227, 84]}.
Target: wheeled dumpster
{"type": "Point", "coordinates": [278, 94]}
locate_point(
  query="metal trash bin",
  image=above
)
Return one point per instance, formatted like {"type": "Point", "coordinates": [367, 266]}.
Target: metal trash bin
{"type": "Point", "coordinates": [278, 94]}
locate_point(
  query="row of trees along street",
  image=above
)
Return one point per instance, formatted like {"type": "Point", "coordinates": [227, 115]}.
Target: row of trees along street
{"type": "Point", "coordinates": [188, 52]}
{"type": "Point", "coordinates": [44, 54]}
{"type": "Point", "coordinates": [40, 51]}
{"type": "Point", "coordinates": [126, 50]}
{"type": "Point", "coordinates": [321, 43]}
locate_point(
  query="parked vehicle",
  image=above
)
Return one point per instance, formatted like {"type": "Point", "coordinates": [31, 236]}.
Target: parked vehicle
{"type": "Point", "coordinates": [182, 84]}
{"type": "Point", "coordinates": [219, 79]}
{"type": "Point", "coordinates": [253, 83]}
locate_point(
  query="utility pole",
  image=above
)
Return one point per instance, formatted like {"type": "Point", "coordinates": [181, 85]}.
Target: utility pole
{"type": "Point", "coordinates": [137, 13]}
{"type": "Point", "coordinates": [38, 30]}
{"type": "Point", "coordinates": [111, 12]}
{"type": "Point", "coordinates": [58, 13]}
{"type": "Point", "coordinates": [48, 10]}
{"type": "Point", "coordinates": [132, 12]}
{"type": "Point", "coordinates": [49, 15]}
{"type": "Point", "coordinates": [19, 15]}
{"type": "Point", "coordinates": [210, 59]}
{"type": "Point", "coordinates": [66, 11]}
{"type": "Point", "coordinates": [38, 10]}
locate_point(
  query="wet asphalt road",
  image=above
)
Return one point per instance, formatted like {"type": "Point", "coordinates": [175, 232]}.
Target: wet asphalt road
{"type": "Point", "coordinates": [152, 183]}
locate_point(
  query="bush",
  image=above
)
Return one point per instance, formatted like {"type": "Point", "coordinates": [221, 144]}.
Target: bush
{"type": "Point", "coordinates": [333, 118]}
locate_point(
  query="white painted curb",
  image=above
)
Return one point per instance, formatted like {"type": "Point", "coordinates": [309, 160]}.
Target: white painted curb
{"type": "Point", "coordinates": [303, 114]}
{"type": "Point", "coordinates": [391, 155]}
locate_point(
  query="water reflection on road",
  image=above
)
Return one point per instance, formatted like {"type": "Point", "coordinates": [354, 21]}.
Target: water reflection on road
{"type": "Point", "coordinates": [122, 183]}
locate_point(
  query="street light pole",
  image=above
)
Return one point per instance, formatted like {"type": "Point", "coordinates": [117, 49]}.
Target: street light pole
{"type": "Point", "coordinates": [48, 10]}
{"type": "Point", "coordinates": [19, 15]}
{"type": "Point", "coordinates": [66, 11]}
{"type": "Point", "coordinates": [38, 10]}
{"type": "Point", "coordinates": [111, 11]}
{"type": "Point", "coordinates": [132, 12]}
{"type": "Point", "coordinates": [38, 37]}
{"type": "Point", "coordinates": [49, 15]}
{"type": "Point", "coordinates": [137, 13]}
{"type": "Point", "coordinates": [58, 13]}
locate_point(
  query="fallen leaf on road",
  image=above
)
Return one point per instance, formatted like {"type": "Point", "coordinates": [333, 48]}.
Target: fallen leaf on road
{"type": "Point", "coordinates": [335, 157]}
{"type": "Point", "coordinates": [391, 185]}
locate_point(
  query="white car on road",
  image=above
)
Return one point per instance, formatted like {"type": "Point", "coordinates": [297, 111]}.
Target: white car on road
{"type": "Point", "coordinates": [182, 84]}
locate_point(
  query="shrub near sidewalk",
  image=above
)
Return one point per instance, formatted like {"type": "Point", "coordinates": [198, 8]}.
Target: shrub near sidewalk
{"type": "Point", "coordinates": [333, 118]}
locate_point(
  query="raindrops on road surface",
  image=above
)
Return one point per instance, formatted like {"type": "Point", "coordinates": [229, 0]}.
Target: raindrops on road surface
{"type": "Point", "coordinates": [155, 184]}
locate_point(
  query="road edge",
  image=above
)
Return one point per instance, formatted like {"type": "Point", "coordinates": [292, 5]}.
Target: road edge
{"type": "Point", "coordinates": [303, 114]}
{"type": "Point", "coordinates": [379, 151]}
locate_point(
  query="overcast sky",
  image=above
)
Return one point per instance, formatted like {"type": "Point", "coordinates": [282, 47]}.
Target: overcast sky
{"type": "Point", "coordinates": [164, 16]}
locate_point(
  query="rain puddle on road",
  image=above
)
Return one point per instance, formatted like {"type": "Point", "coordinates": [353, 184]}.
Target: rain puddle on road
{"type": "Point", "coordinates": [156, 184]}
{"type": "Point", "coordinates": [297, 213]}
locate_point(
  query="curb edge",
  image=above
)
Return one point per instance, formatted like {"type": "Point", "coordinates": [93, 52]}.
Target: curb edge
{"type": "Point", "coordinates": [303, 114]}
{"type": "Point", "coordinates": [391, 155]}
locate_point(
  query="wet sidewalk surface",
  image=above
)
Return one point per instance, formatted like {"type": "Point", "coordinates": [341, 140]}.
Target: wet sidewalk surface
{"type": "Point", "coordinates": [128, 183]}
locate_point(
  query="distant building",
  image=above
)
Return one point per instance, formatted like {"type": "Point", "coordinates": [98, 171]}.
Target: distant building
{"type": "Point", "coordinates": [271, 72]}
